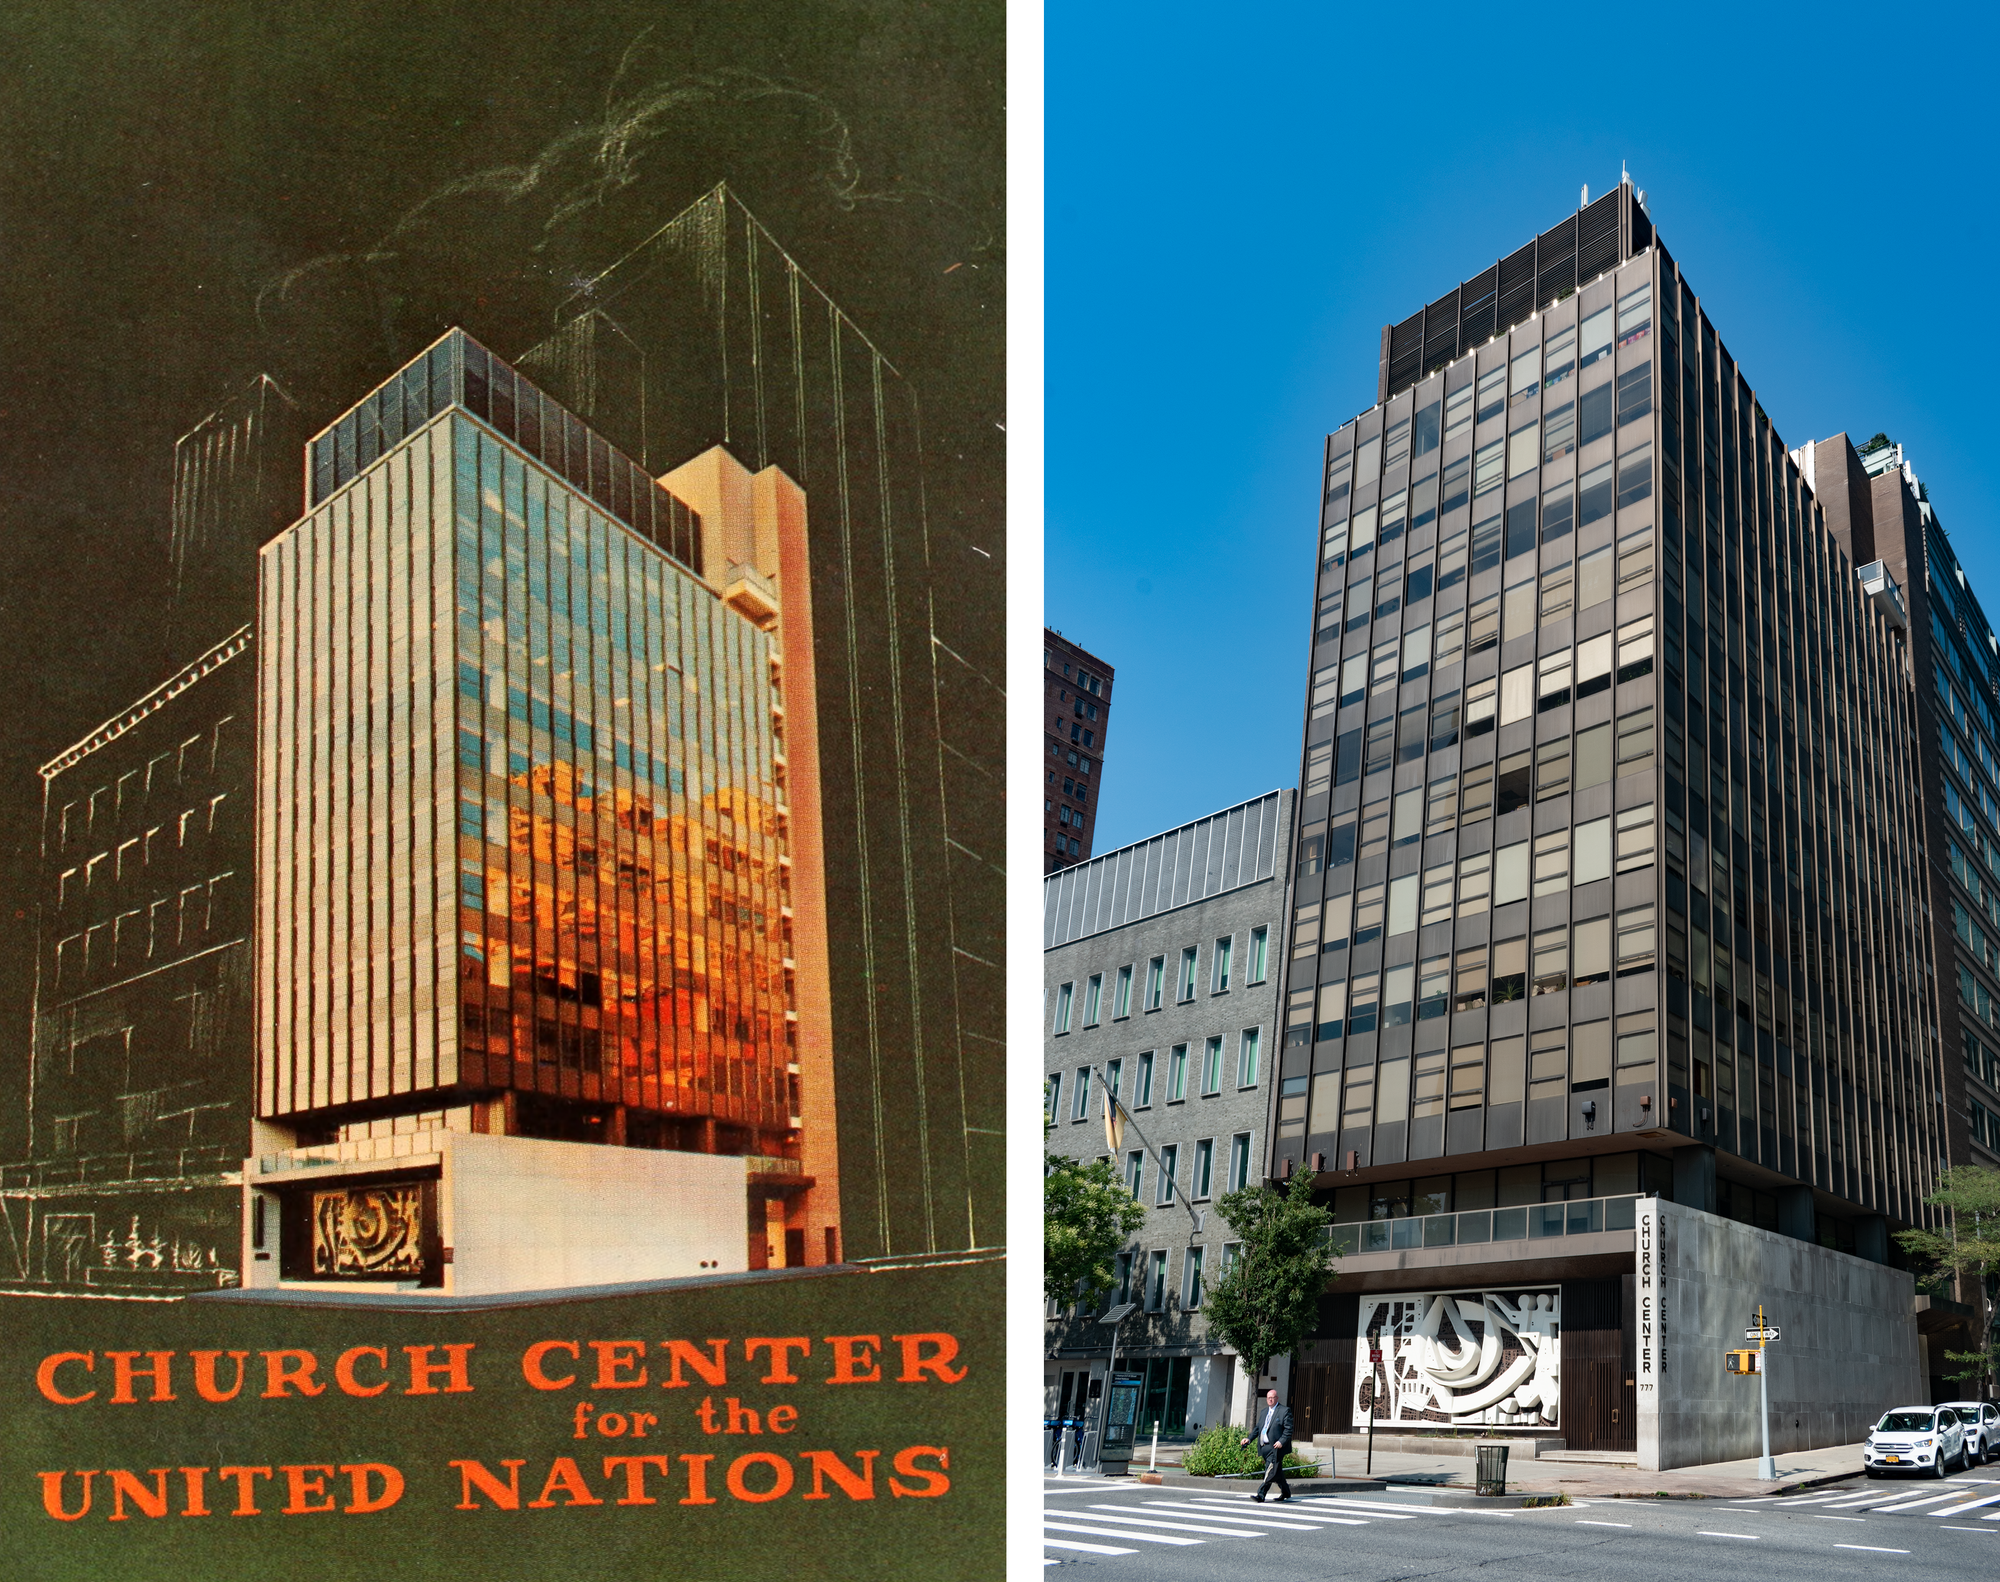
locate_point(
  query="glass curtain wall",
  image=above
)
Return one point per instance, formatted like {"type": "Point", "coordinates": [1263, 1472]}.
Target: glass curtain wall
{"type": "Point", "coordinates": [1608, 787]}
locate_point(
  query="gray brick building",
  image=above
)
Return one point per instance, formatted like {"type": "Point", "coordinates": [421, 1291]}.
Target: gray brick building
{"type": "Point", "coordinates": [1160, 972]}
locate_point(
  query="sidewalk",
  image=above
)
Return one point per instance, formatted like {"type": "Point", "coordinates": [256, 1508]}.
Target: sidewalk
{"type": "Point", "coordinates": [1719, 1480]}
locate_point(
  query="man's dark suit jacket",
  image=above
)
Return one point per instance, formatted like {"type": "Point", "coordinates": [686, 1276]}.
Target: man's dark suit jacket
{"type": "Point", "coordinates": [1281, 1428]}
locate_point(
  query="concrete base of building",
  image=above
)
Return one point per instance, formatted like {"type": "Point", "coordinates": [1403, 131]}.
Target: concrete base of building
{"type": "Point", "coordinates": [455, 1213]}
{"type": "Point", "coordinates": [1610, 1344]}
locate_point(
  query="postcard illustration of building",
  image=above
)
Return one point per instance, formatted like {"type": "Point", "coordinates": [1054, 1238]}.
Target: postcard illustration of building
{"type": "Point", "coordinates": [556, 855]}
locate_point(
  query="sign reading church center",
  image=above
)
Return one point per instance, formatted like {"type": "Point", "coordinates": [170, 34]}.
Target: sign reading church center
{"type": "Point", "coordinates": [626, 1422]}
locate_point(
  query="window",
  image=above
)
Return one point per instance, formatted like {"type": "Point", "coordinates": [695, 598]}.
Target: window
{"type": "Point", "coordinates": [1476, 802]}
{"type": "Point", "coordinates": [1169, 1168]}
{"type": "Point", "coordinates": [1552, 680]}
{"type": "Point", "coordinates": [1549, 967]}
{"type": "Point", "coordinates": [1593, 852]}
{"type": "Point", "coordinates": [1635, 476]}
{"type": "Point", "coordinates": [1635, 560]}
{"type": "Point", "coordinates": [1635, 742]}
{"type": "Point", "coordinates": [1191, 1278]}
{"type": "Point", "coordinates": [1590, 1060]}
{"type": "Point", "coordinates": [1458, 412]}
{"type": "Point", "coordinates": [1063, 996]}
{"type": "Point", "coordinates": [1552, 768]}
{"type": "Point", "coordinates": [1510, 970]}
{"type": "Point", "coordinates": [1469, 978]}
{"type": "Point", "coordinates": [1559, 431]}
{"type": "Point", "coordinates": [1122, 1003]}
{"type": "Point", "coordinates": [1052, 1098]}
{"type": "Point", "coordinates": [1596, 494]}
{"type": "Point", "coordinates": [1204, 1161]}
{"type": "Point", "coordinates": [1548, 1064]}
{"type": "Point", "coordinates": [1114, 1072]}
{"type": "Point", "coordinates": [1427, 1085]}
{"type": "Point", "coordinates": [1080, 1095]}
{"type": "Point", "coordinates": [1260, 939]}
{"type": "Point", "coordinates": [1594, 338]}
{"type": "Point", "coordinates": [1635, 1043]}
{"type": "Point", "coordinates": [1142, 1082]}
{"type": "Point", "coordinates": [1481, 699]}
{"type": "Point", "coordinates": [1135, 1170]}
{"type": "Point", "coordinates": [1635, 314]}
{"type": "Point", "coordinates": [1177, 1063]}
{"type": "Point", "coordinates": [1489, 467]}
{"type": "Point", "coordinates": [1435, 901]}
{"type": "Point", "coordinates": [1635, 648]}
{"type": "Point", "coordinates": [1093, 992]}
{"type": "Point", "coordinates": [1592, 959]}
{"type": "Point", "coordinates": [1396, 443]}
{"type": "Point", "coordinates": [1635, 838]}
{"type": "Point", "coordinates": [1156, 1285]}
{"type": "Point", "coordinates": [1357, 1106]}
{"type": "Point", "coordinates": [1492, 393]}
{"type": "Point", "coordinates": [1441, 803]}
{"type": "Point", "coordinates": [1636, 948]}
{"type": "Point", "coordinates": [1239, 1161]}
{"type": "Point", "coordinates": [1156, 972]}
{"type": "Point", "coordinates": [1211, 1066]}
{"type": "Point", "coordinates": [1526, 375]}
{"type": "Point", "coordinates": [1187, 975]}
{"type": "Point", "coordinates": [1635, 394]}
{"type": "Point", "coordinates": [1218, 968]}
{"type": "Point", "coordinates": [1558, 585]}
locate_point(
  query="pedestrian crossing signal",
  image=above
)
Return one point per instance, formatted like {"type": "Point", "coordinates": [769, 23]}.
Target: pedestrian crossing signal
{"type": "Point", "coordinates": [1743, 1361]}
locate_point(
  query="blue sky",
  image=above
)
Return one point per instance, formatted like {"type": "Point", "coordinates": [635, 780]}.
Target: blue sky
{"type": "Point", "coordinates": [1239, 198]}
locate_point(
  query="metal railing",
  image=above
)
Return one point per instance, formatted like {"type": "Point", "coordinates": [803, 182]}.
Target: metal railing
{"type": "Point", "coordinates": [1471, 1227]}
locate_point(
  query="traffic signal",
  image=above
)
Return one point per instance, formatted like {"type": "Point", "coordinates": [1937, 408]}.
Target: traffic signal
{"type": "Point", "coordinates": [1750, 1361]}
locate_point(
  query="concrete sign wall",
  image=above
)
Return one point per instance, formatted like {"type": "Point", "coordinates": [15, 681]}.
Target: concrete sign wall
{"type": "Point", "coordinates": [1849, 1350]}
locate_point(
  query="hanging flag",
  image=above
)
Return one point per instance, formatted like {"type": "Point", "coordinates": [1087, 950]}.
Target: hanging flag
{"type": "Point", "coordinates": [1114, 1122]}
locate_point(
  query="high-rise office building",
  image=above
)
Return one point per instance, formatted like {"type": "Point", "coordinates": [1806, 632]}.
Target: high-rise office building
{"type": "Point", "coordinates": [1879, 510]}
{"type": "Point", "coordinates": [1076, 706]}
{"type": "Point", "coordinates": [1610, 956]}
{"type": "Point", "coordinates": [710, 333]}
{"type": "Point", "coordinates": [525, 871]}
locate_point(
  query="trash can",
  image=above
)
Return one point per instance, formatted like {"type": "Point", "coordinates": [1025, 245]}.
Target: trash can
{"type": "Point", "coordinates": [1492, 1468]}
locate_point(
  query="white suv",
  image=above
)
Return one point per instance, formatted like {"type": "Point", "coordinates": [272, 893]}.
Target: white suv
{"type": "Point", "coordinates": [1917, 1439]}
{"type": "Point", "coordinates": [1982, 1429]}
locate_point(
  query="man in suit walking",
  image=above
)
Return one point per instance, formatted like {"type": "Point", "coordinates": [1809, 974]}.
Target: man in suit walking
{"type": "Point", "coordinates": [1274, 1439]}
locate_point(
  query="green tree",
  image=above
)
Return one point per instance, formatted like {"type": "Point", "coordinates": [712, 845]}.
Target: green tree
{"type": "Point", "coordinates": [1086, 1216]}
{"type": "Point", "coordinates": [1266, 1302]}
{"type": "Point", "coordinates": [1964, 1252]}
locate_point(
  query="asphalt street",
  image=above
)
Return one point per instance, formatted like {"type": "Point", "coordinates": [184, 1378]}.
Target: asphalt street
{"type": "Point", "coordinates": [1857, 1528]}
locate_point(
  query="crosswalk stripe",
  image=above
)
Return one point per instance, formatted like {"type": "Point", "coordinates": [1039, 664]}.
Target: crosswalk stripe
{"type": "Point", "coordinates": [1323, 1509]}
{"type": "Point", "coordinates": [1173, 1526]}
{"type": "Point", "coordinates": [1287, 1519]}
{"type": "Point", "coordinates": [1288, 1523]}
{"type": "Point", "coordinates": [1115, 1532]}
{"type": "Point", "coordinates": [1089, 1549]}
{"type": "Point", "coordinates": [1927, 1499]}
{"type": "Point", "coordinates": [1301, 1507]}
{"type": "Point", "coordinates": [1990, 1499]}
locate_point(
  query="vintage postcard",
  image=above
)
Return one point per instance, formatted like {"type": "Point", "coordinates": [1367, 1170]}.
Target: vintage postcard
{"type": "Point", "coordinates": [503, 1025]}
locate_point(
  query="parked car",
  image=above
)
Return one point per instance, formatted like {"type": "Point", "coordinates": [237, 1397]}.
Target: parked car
{"type": "Point", "coordinates": [1982, 1429]}
{"type": "Point", "coordinates": [1917, 1439]}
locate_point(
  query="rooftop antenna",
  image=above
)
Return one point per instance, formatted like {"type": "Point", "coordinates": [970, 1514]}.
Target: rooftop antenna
{"type": "Point", "coordinates": [1584, 201]}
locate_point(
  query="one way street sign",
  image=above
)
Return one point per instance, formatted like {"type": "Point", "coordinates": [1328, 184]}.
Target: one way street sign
{"type": "Point", "coordinates": [1767, 1334]}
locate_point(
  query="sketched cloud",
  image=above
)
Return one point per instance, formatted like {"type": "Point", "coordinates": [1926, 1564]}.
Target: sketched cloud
{"type": "Point", "coordinates": [522, 235]}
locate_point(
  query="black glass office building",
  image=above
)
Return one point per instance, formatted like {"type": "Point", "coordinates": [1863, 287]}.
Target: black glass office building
{"type": "Point", "coordinates": [1610, 843]}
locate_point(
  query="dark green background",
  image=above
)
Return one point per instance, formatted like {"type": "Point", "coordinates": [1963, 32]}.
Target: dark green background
{"type": "Point", "coordinates": [957, 1535]}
